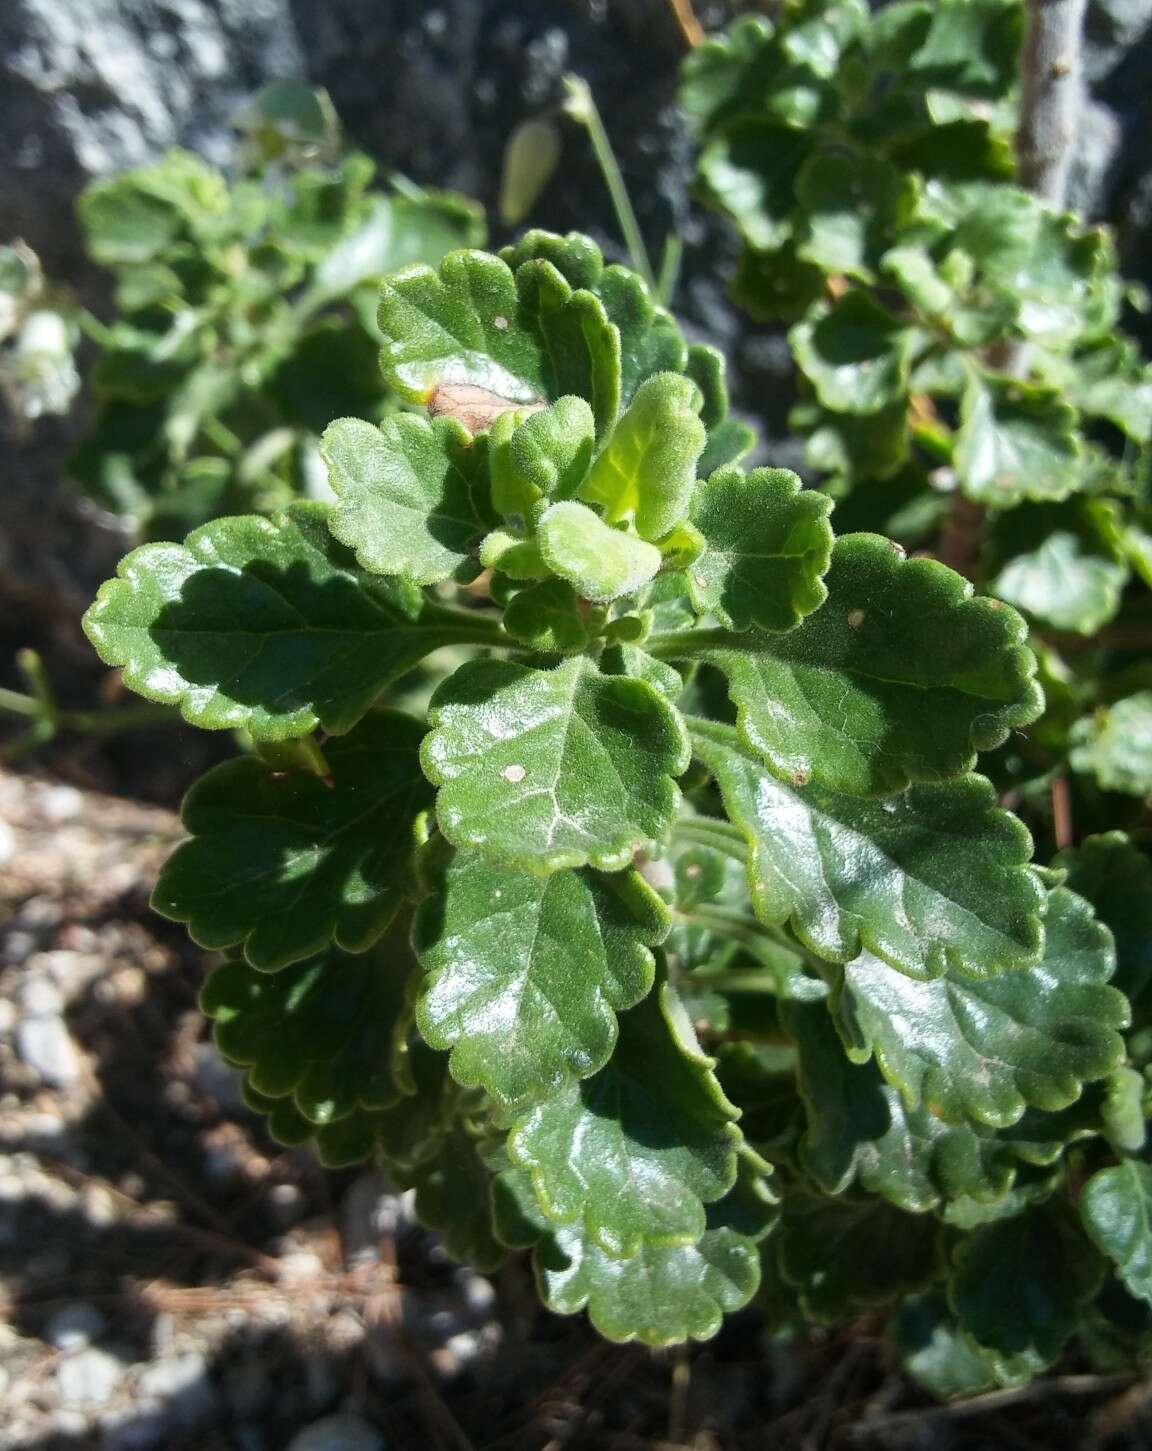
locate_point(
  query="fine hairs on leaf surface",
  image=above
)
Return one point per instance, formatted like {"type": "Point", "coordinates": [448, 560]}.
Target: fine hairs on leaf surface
{"type": "Point", "coordinates": [610, 860]}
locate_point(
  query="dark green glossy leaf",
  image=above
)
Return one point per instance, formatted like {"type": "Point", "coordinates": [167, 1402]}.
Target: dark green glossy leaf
{"type": "Point", "coordinates": [1115, 745]}
{"type": "Point", "coordinates": [845, 1256]}
{"type": "Point", "coordinates": [1016, 441]}
{"type": "Point", "coordinates": [987, 1049]}
{"type": "Point", "coordinates": [1116, 1207]}
{"type": "Point", "coordinates": [322, 1030]}
{"type": "Point", "coordinates": [527, 973]}
{"type": "Point", "coordinates": [935, 880]}
{"type": "Point", "coordinates": [1019, 1285]}
{"type": "Point", "coordinates": [553, 768]}
{"type": "Point", "coordinates": [934, 1352]}
{"type": "Point", "coordinates": [900, 676]}
{"type": "Point", "coordinates": [632, 1156]}
{"type": "Point", "coordinates": [286, 862]}
{"type": "Point", "coordinates": [265, 624]}
{"type": "Point", "coordinates": [1116, 877]}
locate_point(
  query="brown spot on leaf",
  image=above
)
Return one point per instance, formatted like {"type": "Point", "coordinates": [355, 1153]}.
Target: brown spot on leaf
{"type": "Point", "coordinates": [801, 778]}
{"type": "Point", "coordinates": [475, 407]}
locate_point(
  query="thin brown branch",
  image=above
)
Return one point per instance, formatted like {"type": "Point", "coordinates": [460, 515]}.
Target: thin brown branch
{"type": "Point", "coordinates": [690, 27]}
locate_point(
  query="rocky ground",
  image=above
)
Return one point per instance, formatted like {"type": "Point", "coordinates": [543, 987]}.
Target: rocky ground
{"type": "Point", "coordinates": [172, 1279]}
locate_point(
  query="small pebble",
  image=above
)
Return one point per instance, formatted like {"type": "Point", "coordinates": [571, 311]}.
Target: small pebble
{"type": "Point", "coordinates": [88, 1377]}
{"type": "Point", "coordinates": [183, 1384]}
{"type": "Point", "coordinates": [337, 1433]}
{"type": "Point", "coordinates": [46, 1046]}
{"type": "Point", "coordinates": [61, 803]}
{"type": "Point", "coordinates": [7, 843]}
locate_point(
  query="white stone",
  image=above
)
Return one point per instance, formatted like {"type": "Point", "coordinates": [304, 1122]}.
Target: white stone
{"type": "Point", "coordinates": [47, 1047]}
{"type": "Point", "coordinates": [88, 1377]}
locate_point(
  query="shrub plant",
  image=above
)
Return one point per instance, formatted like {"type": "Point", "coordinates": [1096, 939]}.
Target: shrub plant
{"type": "Point", "coordinates": [965, 384]}
{"type": "Point", "coordinates": [680, 942]}
{"type": "Point", "coordinates": [245, 313]}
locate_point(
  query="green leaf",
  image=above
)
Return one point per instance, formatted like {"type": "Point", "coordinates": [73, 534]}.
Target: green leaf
{"type": "Point", "coordinates": [855, 353]}
{"type": "Point", "coordinates": [285, 862]}
{"type": "Point", "coordinates": [1115, 745]}
{"type": "Point", "coordinates": [134, 217]}
{"type": "Point", "coordinates": [452, 1197]}
{"type": "Point", "coordinates": [1116, 1208]}
{"type": "Point", "coordinates": [845, 1256]}
{"type": "Point", "coordinates": [1065, 583]}
{"type": "Point", "coordinates": [1016, 441]}
{"type": "Point", "coordinates": [544, 456]}
{"type": "Point", "coordinates": [932, 881]}
{"type": "Point", "coordinates": [549, 617]}
{"type": "Point", "coordinates": [988, 1049]}
{"type": "Point", "coordinates": [412, 495]}
{"type": "Point", "coordinates": [852, 206]}
{"type": "Point", "coordinates": [599, 562]}
{"type": "Point", "coordinates": [1112, 381]}
{"type": "Point", "coordinates": [775, 284]}
{"type": "Point", "coordinates": [321, 1030]}
{"type": "Point", "coordinates": [646, 471]}
{"type": "Point", "coordinates": [632, 1155]}
{"type": "Point", "coordinates": [1116, 877]}
{"type": "Point", "coordinates": [934, 1352]}
{"type": "Point", "coordinates": [860, 1130]}
{"type": "Point", "coordinates": [473, 334]}
{"type": "Point", "coordinates": [662, 1295]}
{"type": "Point", "coordinates": [265, 624]}
{"type": "Point", "coordinates": [526, 973]}
{"type": "Point", "coordinates": [768, 545]}
{"type": "Point", "coordinates": [900, 676]}
{"type": "Point", "coordinates": [1019, 1285]}
{"type": "Point", "coordinates": [970, 48]}
{"type": "Point", "coordinates": [749, 172]}
{"type": "Point", "coordinates": [553, 768]}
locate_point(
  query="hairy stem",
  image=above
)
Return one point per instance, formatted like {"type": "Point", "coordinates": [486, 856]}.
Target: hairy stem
{"type": "Point", "coordinates": [582, 106]}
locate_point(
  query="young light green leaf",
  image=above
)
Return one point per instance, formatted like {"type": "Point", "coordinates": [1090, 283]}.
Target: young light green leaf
{"type": "Point", "coordinates": [553, 768]}
{"type": "Point", "coordinates": [1116, 877]}
{"type": "Point", "coordinates": [646, 471]}
{"type": "Point", "coordinates": [1018, 1285]}
{"type": "Point", "coordinates": [989, 1049]}
{"type": "Point", "coordinates": [1115, 745]}
{"type": "Point", "coordinates": [285, 862]}
{"type": "Point", "coordinates": [513, 554]}
{"type": "Point", "coordinates": [412, 495]}
{"type": "Point", "coordinates": [900, 676]}
{"type": "Point", "coordinates": [543, 456]}
{"type": "Point", "coordinates": [932, 881]}
{"type": "Point", "coordinates": [662, 1295]}
{"type": "Point", "coordinates": [632, 1155]}
{"type": "Point", "coordinates": [549, 617]}
{"type": "Point", "coordinates": [474, 336]}
{"type": "Point", "coordinates": [1016, 441]}
{"type": "Point", "coordinates": [855, 353]}
{"type": "Point", "coordinates": [859, 1129]}
{"type": "Point", "coordinates": [768, 544]}
{"type": "Point", "coordinates": [599, 562]}
{"type": "Point", "coordinates": [321, 1030]}
{"type": "Point", "coordinates": [845, 1256]}
{"type": "Point", "coordinates": [527, 973]}
{"type": "Point", "coordinates": [261, 624]}
{"type": "Point", "coordinates": [1116, 1208]}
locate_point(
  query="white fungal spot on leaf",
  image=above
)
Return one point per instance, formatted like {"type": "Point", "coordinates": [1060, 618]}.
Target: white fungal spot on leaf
{"type": "Point", "coordinates": [514, 774]}
{"type": "Point", "coordinates": [855, 619]}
